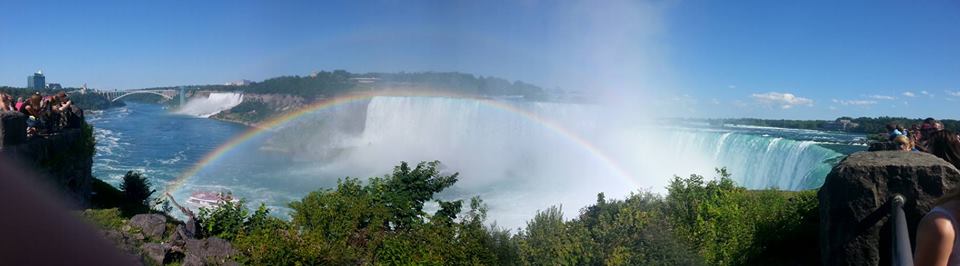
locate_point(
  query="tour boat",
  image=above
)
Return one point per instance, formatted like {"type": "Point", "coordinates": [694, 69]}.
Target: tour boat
{"type": "Point", "coordinates": [209, 199]}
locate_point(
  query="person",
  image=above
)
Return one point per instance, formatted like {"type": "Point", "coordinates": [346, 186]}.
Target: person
{"type": "Point", "coordinates": [32, 108]}
{"type": "Point", "coordinates": [904, 143]}
{"type": "Point", "coordinates": [937, 239]}
{"type": "Point", "coordinates": [893, 132]}
{"type": "Point", "coordinates": [19, 104]}
{"type": "Point", "coordinates": [946, 145]}
{"type": "Point", "coordinates": [64, 101]}
{"type": "Point", "coordinates": [5, 103]}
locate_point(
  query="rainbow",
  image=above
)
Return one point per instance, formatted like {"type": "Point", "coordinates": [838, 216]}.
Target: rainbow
{"type": "Point", "coordinates": [259, 129]}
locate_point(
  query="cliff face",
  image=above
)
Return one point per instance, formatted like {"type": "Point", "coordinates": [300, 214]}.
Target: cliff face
{"type": "Point", "coordinates": [855, 202]}
{"type": "Point", "coordinates": [65, 158]}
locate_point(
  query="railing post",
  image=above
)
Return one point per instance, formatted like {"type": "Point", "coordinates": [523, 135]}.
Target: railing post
{"type": "Point", "coordinates": [900, 250]}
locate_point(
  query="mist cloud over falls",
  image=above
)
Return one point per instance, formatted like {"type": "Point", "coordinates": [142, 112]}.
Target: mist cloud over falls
{"type": "Point", "coordinates": [521, 157]}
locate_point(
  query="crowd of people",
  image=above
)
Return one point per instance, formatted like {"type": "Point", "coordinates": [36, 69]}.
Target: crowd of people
{"type": "Point", "coordinates": [45, 113]}
{"type": "Point", "coordinates": [938, 234]}
{"type": "Point", "coordinates": [918, 137]}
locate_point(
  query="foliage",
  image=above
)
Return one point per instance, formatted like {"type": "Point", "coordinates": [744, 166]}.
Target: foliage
{"type": "Point", "coordinates": [730, 225]}
{"type": "Point", "coordinates": [248, 111]}
{"type": "Point", "coordinates": [93, 101]}
{"type": "Point", "coordinates": [105, 218]}
{"type": "Point", "coordinates": [229, 219]}
{"type": "Point", "coordinates": [136, 191]}
{"type": "Point", "coordinates": [325, 84]}
{"type": "Point", "coordinates": [383, 221]}
{"type": "Point", "coordinates": [105, 196]}
{"type": "Point", "coordinates": [619, 232]}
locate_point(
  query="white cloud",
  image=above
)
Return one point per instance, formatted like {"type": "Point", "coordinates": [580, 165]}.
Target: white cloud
{"type": "Point", "coordinates": [731, 86]}
{"type": "Point", "coordinates": [953, 93]}
{"type": "Point", "coordinates": [715, 101]}
{"type": "Point", "coordinates": [924, 93]}
{"type": "Point", "coordinates": [855, 102]}
{"type": "Point", "coordinates": [909, 94]}
{"type": "Point", "coordinates": [882, 97]}
{"type": "Point", "coordinates": [784, 100]}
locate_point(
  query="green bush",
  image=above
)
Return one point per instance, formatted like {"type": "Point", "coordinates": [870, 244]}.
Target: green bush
{"type": "Point", "coordinates": [383, 221]}
{"type": "Point", "coordinates": [136, 191]}
{"type": "Point", "coordinates": [730, 225]}
{"type": "Point", "coordinates": [105, 218]}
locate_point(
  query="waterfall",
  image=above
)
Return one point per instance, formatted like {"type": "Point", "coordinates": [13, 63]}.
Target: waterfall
{"type": "Point", "coordinates": [214, 103]}
{"type": "Point", "coordinates": [757, 161]}
{"type": "Point", "coordinates": [492, 144]}
{"type": "Point", "coordinates": [520, 156]}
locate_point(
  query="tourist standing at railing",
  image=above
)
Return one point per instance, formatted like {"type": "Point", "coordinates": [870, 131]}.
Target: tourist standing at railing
{"type": "Point", "coordinates": [937, 232]}
{"type": "Point", "coordinates": [5, 102]}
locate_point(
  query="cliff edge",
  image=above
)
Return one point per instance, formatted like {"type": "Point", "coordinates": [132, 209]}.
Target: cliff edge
{"type": "Point", "coordinates": [65, 157]}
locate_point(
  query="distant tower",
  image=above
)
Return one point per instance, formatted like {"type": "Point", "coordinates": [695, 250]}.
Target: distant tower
{"type": "Point", "coordinates": [36, 81]}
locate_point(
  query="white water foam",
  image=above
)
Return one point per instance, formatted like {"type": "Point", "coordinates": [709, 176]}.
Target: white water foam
{"type": "Point", "coordinates": [213, 104]}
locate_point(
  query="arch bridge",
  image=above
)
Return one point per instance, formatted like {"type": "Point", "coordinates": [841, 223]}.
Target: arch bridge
{"type": "Point", "coordinates": [113, 96]}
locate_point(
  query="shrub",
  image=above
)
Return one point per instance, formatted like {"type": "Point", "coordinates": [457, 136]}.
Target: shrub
{"type": "Point", "coordinates": [729, 225]}
{"type": "Point", "coordinates": [382, 222]}
{"type": "Point", "coordinates": [136, 191]}
{"type": "Point", "coordinates": [105, 218]}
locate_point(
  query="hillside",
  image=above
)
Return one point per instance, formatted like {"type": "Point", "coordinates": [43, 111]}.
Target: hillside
{"type": "Point", "coordinates": [271, 97]}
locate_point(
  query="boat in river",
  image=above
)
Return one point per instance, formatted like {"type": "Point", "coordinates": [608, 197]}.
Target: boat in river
{"type": "Point", "coordinates": [210, 199]}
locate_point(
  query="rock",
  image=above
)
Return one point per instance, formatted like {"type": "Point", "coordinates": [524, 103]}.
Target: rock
{"type": "Point", "coordinates": [855, 202]}
{"type": "Point", "coordinates": [155, 252]}
{"type": "Point", "coordinates": [179, 234]}
{"type": "Point", "coordinates": [152, 225]}
{"type": "Point", "coordinates": [122, 241]}
{"type": "Point", "coordinates": [883, 146]}
{"type": "Point", "coordinates": [208, 251]}
{"type": "Point", "coordinates": [13, 128]}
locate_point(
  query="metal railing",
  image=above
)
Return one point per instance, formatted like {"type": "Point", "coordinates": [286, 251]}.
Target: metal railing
{"type": "Point", "coordinates": [900, 250]}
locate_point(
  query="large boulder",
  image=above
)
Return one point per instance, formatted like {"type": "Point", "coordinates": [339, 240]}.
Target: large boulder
{"type": "Point", "coordinates": [210, 251]}
{"type": "Point", "coordinates": [13, 128]}
{"type": "Point", "coordinates": [855, 202]}
{"type": "Point", "coordinates": [156, 252]}
{"type": "Point", "coordinates": [152, 225]}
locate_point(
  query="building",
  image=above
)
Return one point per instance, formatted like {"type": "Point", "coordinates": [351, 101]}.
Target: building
{"type": "Point", "coordinates": [54, 86]}
{"type": "Point", "coordinates": [36, 81]}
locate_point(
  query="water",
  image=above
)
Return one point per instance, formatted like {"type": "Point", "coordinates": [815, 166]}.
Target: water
{"type": "Point", "coordinates": [147, 138]}
{"type": "Point", "coordinates": [518, 162]}
{"type": "Point", "coordinates": [211, 105]}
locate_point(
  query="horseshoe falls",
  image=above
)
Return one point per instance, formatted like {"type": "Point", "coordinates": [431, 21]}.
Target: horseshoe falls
{"type": "Point", "coordinates": [757, 161]}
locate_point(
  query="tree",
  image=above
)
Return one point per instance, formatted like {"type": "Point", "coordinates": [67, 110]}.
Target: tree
{"type": "Point", "coordinates": [136, 191]}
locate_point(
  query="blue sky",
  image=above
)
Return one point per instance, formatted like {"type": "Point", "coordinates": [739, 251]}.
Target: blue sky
{"type": "Point", "coordinates": [770, 59]}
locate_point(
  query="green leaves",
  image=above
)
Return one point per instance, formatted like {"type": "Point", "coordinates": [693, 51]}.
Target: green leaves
{"type": "Point", "coordinates": [730, 225]}
{"type": "Point", "coordinates": [383, 222]}
{"type": "Point", "coordinates": [136, 193]}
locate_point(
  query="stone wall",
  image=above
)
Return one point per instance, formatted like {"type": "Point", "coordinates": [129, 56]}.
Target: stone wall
{"type": "Point", "coordinates": [60, 157]}
{"type": "Point", "coordinates": [855, 202]}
